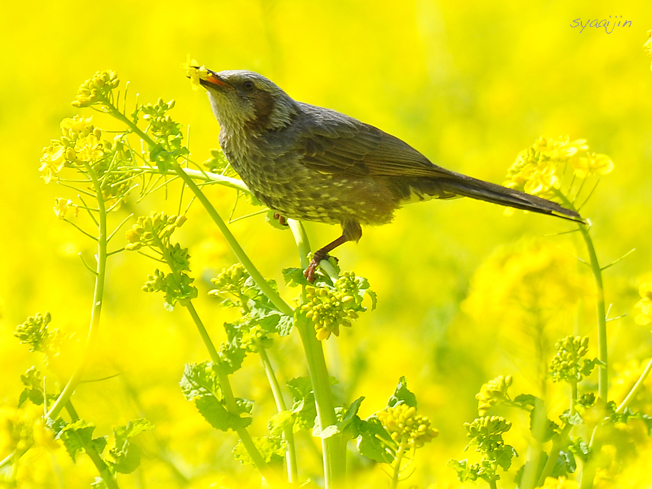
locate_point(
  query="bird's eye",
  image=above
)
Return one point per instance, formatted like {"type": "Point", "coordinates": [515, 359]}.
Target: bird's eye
{"type": "Point", "coordinates": [248, 85]}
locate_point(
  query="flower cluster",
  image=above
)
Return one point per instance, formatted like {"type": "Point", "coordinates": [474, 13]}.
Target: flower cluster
{"type": "Point", "coordinates": [492, 393]}
{"type": "Point", "coordinates": [80, 142]}
{"type": "Point", "coordinates": [97, 89]}
{"type": "Point", "coordinates": [567, 364]}
{"type": "Point", "coordinates": [35, 331]}
{"type": "Point", "coordinates": [329, 309]}
{"type": "Point", "coordinates": [160, 123]}
{"type": "Point", "coordinates": [645, 304]}
{"type": "Point", "coordinates": [152, 230]}
{"type": "Point", "coordinates": [404, 425]}
{"type": "Point", "coordinates": [487, 432]}
{"type": "Point", "coordinates": [538, 169]}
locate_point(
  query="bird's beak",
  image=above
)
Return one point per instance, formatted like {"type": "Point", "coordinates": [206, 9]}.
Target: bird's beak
{"type": "Point", "coordinates": [213, 80]}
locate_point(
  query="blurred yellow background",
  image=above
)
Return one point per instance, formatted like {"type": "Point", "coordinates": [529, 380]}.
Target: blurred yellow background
{"type": "Point", "coordinates": [469, 84]}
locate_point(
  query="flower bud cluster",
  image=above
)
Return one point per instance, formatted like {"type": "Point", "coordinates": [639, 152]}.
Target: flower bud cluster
{"type": "Point", "coordinates": [36, 333]}
{"type": "Point", "coordinates": [231, 280]}
{"type": "Point", "coordinates": [538, 169]}
{"type": "Point", "coordinates": [329, 308]}
{"type": "Point", "coordinates": [152, 230]}
{"type": "Point", "coordinates": [96, 89]}
{"type": "Point", "coordinates": [492, 393]}
{"type": "Point", "coordinates": [645, 304]}
{"type": "Point", "coordinates": [487, 432]}
{"type": "Point", "coordinates": [160, 123]}
{"type": "Point", "coordinates": [567, 365]}
{"type": "Point", "coordinates": [404, 425]}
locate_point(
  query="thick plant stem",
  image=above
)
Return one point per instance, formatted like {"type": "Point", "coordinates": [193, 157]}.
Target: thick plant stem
{"type": "Point", "coordinates": [334, 447]}
{"type": "Point", "coordinates": [98, 297]}
{"type": "Point", "coordinates": [601, 310]}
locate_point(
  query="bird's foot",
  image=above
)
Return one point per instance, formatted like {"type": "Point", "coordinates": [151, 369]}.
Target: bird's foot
{"type": "Point", "coordinates": [309, 272]}
{"type": "Point", "coordinates": [281, 219]}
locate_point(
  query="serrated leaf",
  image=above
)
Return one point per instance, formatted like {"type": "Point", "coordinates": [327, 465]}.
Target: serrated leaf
{"type": "Point", "coordinates": [351, 413]}
{"type": "Point", "coordinates": [76, 436]}
{"type": "Point", "coordinates": [217, 416]}
{"type": "Point", "coordinates": [280, 422]}
{"type": "Point", "coordinates": [402, 394]}
{"type": "Point", "coordinates": [285, 325]}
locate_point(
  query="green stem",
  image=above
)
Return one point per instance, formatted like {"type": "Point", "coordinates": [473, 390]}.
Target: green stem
{"type": "Point", "coordinates": [636, 388]}
{"type": "Point", "coordinates": [397, 464]}
{"type": "Point", "coordinates": [96, 458]}
{"type": "Point", "coordinates": [225, 384]}
{"type": "Point", "coordinates": [96, 310]}
{"type": "Point", "coordinates": [492, 484]}
{"type": "Point", "coordinates": [573, 400]}
{"type": "Point", "coordinates": [334, 447]}
{"type": "Point", "coordinates": [557, 443]}
{"type": "Point", "coordinates": [288, 435]}
{"type": "Point", "coordinates": [603, 373]}
{"type": "Point", "coordinates": [271, 294]}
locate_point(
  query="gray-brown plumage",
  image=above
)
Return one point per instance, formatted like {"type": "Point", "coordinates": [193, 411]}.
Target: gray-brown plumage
{"type": "Point", "coordinates": [316, 164]}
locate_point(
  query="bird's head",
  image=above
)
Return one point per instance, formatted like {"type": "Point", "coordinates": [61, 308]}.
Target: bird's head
{"type": "Point", "coordinates": [244, 100]}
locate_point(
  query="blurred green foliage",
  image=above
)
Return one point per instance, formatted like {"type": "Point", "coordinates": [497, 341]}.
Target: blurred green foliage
{"type": "Point", "coordinates": [468, 84]}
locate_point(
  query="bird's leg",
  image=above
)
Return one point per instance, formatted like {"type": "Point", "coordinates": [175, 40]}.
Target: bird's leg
{"type": "Point", "coordinates": [351, 231]}
{"type": "Point", "coordinates": [281, 219]}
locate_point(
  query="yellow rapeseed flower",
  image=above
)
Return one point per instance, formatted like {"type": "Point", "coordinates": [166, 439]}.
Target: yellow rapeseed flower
{"type": "Point", "coordinates": [63, 206]}
{"type": "Point", "coordinates": [195, 73]}
{"type": "Point", "coordinates": [538, 169]}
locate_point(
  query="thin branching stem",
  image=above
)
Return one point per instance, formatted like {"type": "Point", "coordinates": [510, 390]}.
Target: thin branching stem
{"type": "Point", "coordinates": [98, 300]}
{"type": "Point", "coordinates": [596, 269]}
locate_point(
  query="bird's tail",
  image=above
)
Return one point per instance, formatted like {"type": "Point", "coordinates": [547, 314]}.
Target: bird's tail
{"type": "Point", "coordinates": [463, 185]}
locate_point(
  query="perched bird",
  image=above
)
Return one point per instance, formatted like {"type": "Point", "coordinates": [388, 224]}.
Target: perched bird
{"type": "Point", "coordinates": [316, 164]}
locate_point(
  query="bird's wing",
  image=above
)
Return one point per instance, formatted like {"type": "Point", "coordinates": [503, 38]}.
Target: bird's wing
{"type": "Point", "coordinates": [340, 144]}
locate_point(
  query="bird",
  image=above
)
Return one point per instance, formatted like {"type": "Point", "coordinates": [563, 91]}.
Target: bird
{"type": "Point", "coordinates": [311, 163]}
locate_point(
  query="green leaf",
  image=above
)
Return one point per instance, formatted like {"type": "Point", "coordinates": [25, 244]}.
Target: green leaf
{"type": "Point", "coordinates": [304, 407]}
{"type": "Point", "coordinates": [280, 422]}
{"type": "Point", "coordinates": [294, 277]}
{"type": "Point", "coordinates": [402, 394]}
{"type": "Point", "coordinates": [271, 448]}
{"type": "Point", "coordinates": [374, 442]}
{"type": "Point", "coordinates": [351, 413]}
{"type": "Point", "coordinates": [76, 437]}
{"type": "Point", "coordinates": [200, 384]}
{"type": "Point", "coordinates": [285, 325]}
{"type": "Point", "coordinates": [464, 471]}
{"type": "Point", "coordinates": [217, 416]}
{"type": "Point", "coordinates": [503, 456]}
